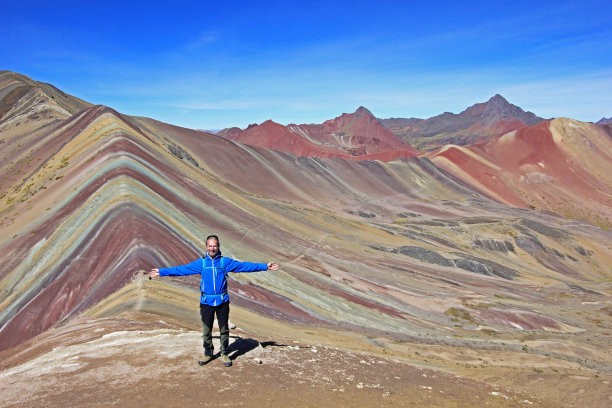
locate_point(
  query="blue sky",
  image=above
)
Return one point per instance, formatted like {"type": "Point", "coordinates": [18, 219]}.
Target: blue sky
{"type": "Point", "coordinates": [210, 65]}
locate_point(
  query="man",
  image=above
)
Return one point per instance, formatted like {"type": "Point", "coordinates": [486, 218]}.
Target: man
{"type": "Point", "coordinates": [213, 289]}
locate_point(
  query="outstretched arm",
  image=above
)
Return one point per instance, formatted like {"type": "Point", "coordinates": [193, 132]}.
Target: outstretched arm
{"type": "Point", "coordinates": [231, 265]}
{"type": "Point", "coordinates": [192, 268]}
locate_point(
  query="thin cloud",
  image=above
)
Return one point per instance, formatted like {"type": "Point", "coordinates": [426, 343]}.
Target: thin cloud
{"type": "Point", "coordinates": [203, 40]}
{"type": "Point", "coordinates": [584, 97]}
{"type": "Point", "coordinates": [218, 105]}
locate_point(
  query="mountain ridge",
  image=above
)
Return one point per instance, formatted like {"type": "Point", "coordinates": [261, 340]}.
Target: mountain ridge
{"type": "Point", "coordinates": [358, 136]}
{"type": "Point", "coordinates": [604, 121]}
{"type": "Point", "coordinates": [477, 123]}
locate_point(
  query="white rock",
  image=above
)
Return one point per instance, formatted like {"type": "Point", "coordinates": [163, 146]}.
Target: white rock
{"type": "Point", "coordinates": [500, 394]}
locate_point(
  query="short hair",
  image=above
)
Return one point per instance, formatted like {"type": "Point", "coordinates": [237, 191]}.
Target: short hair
{"type": "Point", "coordinates": [216, 238]}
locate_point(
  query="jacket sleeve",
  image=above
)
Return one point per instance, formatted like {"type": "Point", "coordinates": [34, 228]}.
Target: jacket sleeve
{"type": "Point", "coordinates": [231, 265]}
{"type": "Point", "coordinates": [182, 270]}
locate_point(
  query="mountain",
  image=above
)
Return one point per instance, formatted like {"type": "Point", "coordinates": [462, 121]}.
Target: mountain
{"type": "Point", "coordinates": [604, 121]}
{"type": "Point", "coordinates": [478, 123]}
{"type": "Point", "coordinates": [357, 136]}
{"type": "Point", "coordinates": [25, 100]}
{"type": "Point", "coordinates": [398, 279]}
{"type": "Point", "coordinates": [229, 132]}
{"type": "Point", "coordinates": [554, 166]}
{"type": "Point", "coordinates": [361, 136]}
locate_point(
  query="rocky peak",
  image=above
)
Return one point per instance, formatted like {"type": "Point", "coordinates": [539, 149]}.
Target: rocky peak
{"type": "Point", "coordinates": [229, 132]}
{"type": "Point", "coordinates": [605, 120]}
{"type": "Point", "coordinates": [498, 108]}
{"type": "Point", "coordinates": [361, 111]}
{"type": "Point", "coordinates": [271, 126]}
{"type": "Point", "coordinates": [499, 104]}
{"type": "Point", "coordinates": [498, 99]}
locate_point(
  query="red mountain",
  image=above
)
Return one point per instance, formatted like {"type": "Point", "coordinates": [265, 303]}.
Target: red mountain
{"type": "Point", "coordinates": [357, 136]}
{"type": "Point", "coordinates": [556, 165]}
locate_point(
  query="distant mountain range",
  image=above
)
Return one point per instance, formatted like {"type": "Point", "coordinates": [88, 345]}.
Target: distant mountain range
{"type": "Point", "coordinates": [478, 123]}
{"type": "Point", "coordinates": [357, 135]}
{"type": "Point", "coordinates": [360, 135]}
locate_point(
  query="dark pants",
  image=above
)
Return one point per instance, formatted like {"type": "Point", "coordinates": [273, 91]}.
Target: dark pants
{"type": "Point", "coordinates": [208, 316]}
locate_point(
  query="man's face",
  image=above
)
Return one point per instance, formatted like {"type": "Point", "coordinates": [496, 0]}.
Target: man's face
{"type": "Point", "coordinates": [212, 247]}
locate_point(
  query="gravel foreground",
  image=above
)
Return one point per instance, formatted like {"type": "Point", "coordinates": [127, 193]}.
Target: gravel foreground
{"type": "Point", "coordinates": [94, 364]}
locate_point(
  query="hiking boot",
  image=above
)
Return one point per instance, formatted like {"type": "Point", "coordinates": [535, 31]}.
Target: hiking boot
{"type": "Point", "coordinates": [226, 360]}
{"type": "Point", "coordinates": [205, 360]}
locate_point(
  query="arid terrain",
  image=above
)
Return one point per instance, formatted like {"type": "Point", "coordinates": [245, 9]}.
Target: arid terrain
{"type": "Point", "coordinates": [468, 274]}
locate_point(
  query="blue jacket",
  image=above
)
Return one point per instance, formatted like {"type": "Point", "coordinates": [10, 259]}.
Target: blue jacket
{"type": "Point", "coordinates": [213, 287]}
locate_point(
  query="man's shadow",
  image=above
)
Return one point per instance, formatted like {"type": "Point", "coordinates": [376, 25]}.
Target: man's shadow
{"type": "Point", "coordinates": [241, 346]}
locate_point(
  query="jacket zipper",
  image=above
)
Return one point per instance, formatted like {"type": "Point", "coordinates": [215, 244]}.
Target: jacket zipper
{"type": "Point", "coordinates": [214, 280]}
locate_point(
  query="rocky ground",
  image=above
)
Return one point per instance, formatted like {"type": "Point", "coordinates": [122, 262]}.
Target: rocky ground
{"type": "Point", "coordinates": [125, 362]}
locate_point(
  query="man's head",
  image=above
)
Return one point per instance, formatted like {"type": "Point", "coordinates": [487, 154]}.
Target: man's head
{"type": "Point", "coordinates": [212, 245]}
